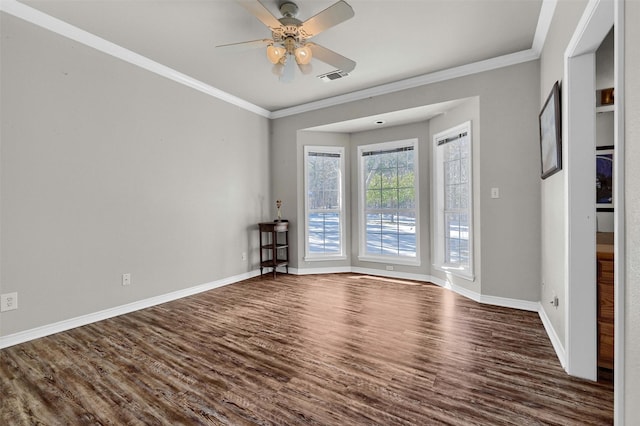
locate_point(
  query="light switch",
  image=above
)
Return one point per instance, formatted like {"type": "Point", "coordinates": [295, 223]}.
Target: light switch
{"type": "Point", "coordinates": [495, 192]}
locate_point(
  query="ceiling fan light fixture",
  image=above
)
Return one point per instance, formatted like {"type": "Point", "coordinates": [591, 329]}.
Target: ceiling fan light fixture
{"type": "Point", "coordinates": [289, 37]}
{"type": "Point", "coordinates": [303, 55]}
{"type": "Point", "coordinates": [275, 53]}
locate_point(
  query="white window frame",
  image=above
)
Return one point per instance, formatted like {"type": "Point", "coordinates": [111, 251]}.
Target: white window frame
{"type": "Point", "coordinates": [466, 272]}
{"type": "Point", "coordinates": [308, 256]}
{"type": "Point", "coordinates": [387, 259]}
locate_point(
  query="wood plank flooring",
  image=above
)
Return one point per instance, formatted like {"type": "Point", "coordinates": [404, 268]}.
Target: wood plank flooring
{"type": "Point", "coordinates": [342, 349]}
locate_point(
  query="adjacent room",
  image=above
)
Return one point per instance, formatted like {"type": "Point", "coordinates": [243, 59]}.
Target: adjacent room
{"type": "Point", "coordinates": [318, 212]}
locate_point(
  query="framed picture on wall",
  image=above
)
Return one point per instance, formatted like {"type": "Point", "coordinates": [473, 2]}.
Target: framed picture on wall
{"type": "Point", "coordinates": [551, 134]}
{"type": "Point", "coordinates": [604, 178]}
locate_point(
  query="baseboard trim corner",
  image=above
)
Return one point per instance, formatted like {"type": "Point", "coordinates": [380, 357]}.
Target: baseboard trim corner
{"type": "Point", "coordinates": [553, 336]}
{"type": "Point", "coordinates": [524, 305]}
{"type": "Point", "coordinates": [469, 294]}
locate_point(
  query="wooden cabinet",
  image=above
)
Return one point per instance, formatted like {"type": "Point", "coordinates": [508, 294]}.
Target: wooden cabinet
{"type": "Point", "coordinates": [274, 245]}
{"type": "Point", "coordinates": [605, 306]}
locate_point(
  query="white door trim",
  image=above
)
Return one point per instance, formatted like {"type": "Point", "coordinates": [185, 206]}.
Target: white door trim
{"type": "Point", "coordinates": [619, 216]}
{"type": "Point", "coordinates": [579, 149]}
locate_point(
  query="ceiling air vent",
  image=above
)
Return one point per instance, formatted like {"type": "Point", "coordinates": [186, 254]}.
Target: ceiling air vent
{"type": "Point", "coordinates": [333, 75]}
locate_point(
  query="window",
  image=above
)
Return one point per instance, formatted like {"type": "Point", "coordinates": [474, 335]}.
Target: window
{"type": "Point", "coordinates": [454, 189]}
{"type": "Point", "coordinates": [389, 200]}
{"type": "Point", "coordinates": [324, 201]}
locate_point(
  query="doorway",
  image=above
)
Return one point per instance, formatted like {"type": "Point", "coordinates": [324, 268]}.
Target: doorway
{"type": "Point", "coordinates": [579, 139]}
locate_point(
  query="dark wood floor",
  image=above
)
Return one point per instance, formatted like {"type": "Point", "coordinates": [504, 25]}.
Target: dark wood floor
{"type": "Point", "coordinates": [340, 349]}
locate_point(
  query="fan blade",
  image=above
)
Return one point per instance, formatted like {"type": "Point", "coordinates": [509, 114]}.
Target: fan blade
{"type": "Point", "coordinates": [305, 68]}
{"type": "Point", "coordinates": [262, 13]}
{"type": "Point", "coordinates": [331, 16]}
{"type": "Point", "coordinates": [246, 45]}
{"type": "Point", "coordinates": [289, 70]}
{"type": "Point", "coordinates": [332, 58]}
{"type": "Point", "coordinates": [278, 69]}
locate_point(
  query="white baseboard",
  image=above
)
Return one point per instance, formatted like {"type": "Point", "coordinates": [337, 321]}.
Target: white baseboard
{"type": "Point", "coordinates": [36, 333]}
{"type": "Point", "coordinates": [469, 294]}
{"type": "Point", "coordinates": [49, 329]}
{"type": "Point", "coordinates": [392, 274]}
{"type": "Point", "coordinates": [523, 305]}
{"type": "Point", "coordinates": [551, 332]}
{"type": "Point", "coordinates": [317, 271]}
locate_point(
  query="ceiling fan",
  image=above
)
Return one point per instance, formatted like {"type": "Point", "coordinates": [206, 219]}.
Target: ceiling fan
{"type": "Point", "coordinates": [288, 45]}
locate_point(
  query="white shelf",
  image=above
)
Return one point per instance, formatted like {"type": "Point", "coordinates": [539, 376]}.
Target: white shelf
{"type": "Point", "coordinates": [605, 108]}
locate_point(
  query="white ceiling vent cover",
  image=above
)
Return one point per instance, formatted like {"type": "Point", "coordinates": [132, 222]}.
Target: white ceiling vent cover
{"type": "Point", "coordinates": [333, 75]}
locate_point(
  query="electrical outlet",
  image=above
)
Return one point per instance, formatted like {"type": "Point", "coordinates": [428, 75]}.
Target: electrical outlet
{"type": "Point", "coordinates": [495, 192]}
{"type": "Point", "coordinates": [8, 302]}
{"type": "Point", "coordinates": [389, 268]}
{"type": "Point", "coordinates": [126, 279]}
{"type": "Point", "coordinates": [244, 255]}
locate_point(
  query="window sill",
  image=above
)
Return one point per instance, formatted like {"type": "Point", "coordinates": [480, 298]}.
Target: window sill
{"type": "Point", "coordinates": [324, 258]}
{"type": "Point", "coordinates": [456, 272]}
{"type": "Point", "coordinates": [390, 260]}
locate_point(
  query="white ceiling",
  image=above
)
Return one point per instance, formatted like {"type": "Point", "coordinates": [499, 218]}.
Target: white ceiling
{"type": "Point", "coordinates": [389, 40]}
{"type": "Point", "coordinates": [390, 119]}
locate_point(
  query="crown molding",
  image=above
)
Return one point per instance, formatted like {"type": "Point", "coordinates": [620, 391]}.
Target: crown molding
{"type": "Point", "coordinates": [34, 16]}
{"type": "Point", "coordinates": [542, 29]}
{"type": "Point", "coordinates": [410, 83]}
{"type": "Point", "coordinates": [69, 31]}
{"type": "Point", "coordinates": [544, 23]}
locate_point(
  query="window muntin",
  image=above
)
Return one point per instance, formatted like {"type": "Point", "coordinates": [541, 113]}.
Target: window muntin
{"type": "Point", "coordinates": [454, 226]}
{"type": "Point", "coordinates": [324, 201]}
{"type": "Point", "coordinates": [389, 200]}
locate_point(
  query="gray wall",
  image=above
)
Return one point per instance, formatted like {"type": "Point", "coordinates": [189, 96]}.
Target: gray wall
{"type": "Point", "coordinates": [108, 169]}
{"type": "Point", "coordinates": [565, 20]}
{"type": "Point", "coordinates": [564, 24]}
{"type": "Point", "coordinates": [632, 199]}
{"type": "Point", "coordinates": [509, 159]}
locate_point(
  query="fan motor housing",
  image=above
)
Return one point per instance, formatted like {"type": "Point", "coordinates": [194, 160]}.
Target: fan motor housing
{"type": "Point", "coordinates": [288, 9]}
